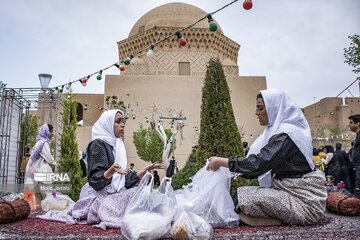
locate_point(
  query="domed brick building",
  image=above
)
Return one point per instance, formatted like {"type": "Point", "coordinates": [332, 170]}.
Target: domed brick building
{"type": "Point", "coordinates": [171, 80]}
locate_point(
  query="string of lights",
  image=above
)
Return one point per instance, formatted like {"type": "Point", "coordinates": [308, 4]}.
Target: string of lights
{"type": "Point", "coordinates": [172, 121]}
{"type": "Point", "coordinates": [169, 121]}
{"type": "Point", "coordinates": [144, 113]}
{"type": "Point", "coordinates": [247, 5]}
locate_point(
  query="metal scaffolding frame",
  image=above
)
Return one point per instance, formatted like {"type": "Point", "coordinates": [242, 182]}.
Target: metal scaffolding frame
{"type": "Point", "coordinates": [15, 105]}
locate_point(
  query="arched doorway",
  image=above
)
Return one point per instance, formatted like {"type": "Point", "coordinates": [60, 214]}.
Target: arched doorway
{"type": "Point", "coordinates": [80, 114]}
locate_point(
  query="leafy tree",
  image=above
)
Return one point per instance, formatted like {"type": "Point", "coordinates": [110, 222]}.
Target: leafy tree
{"type": "Point", "coordinates": [320, 131]}
{"type": "Point", "coordinates": [69, 153]}
{"type": "Point", "coordinates": [219, 135]}
{"type": "Point", "coordinates": [335, 130]}
{"type": "Point", "coordinates": [148, 145]}
{"type": "Point", "coordinates": [352, 54]}
{"type": "Point", "coordinates": [113, 102]}
{"type": "Point", "coordinates": [328, 130]}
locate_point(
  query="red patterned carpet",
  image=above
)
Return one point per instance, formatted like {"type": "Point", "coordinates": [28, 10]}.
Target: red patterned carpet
{"type": "Point", "coordinates": [333, 227]}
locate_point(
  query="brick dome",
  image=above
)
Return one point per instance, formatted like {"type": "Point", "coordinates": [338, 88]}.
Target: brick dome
{"type": "Point", "coordinates": [178, 15]}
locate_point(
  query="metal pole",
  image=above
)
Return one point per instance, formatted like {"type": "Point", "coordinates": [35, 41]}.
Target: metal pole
{"type": "Point", "coordinates": [58, 96]}
{"type": "Point", "coordinates": [2, 135]}
{"type": "Point", "coordinates": [51, 100]}
{"type": "Point", "coordinates": [43, 109]}
{"type": "Point", "coordinates": [19, 152]}
{"type": "Point", "coordinates": [5, 171]}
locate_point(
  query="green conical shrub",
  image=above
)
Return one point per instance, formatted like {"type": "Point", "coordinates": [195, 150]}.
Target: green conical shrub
{"type": "Point", "coordinates": [69, 153]}
{"type": "Point", "coordinates": [182, 177]}
{"type": "Point", "coordinates": [219, 135]}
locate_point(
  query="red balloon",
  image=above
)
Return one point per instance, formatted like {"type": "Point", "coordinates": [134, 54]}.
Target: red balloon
{"type": "Point", "coordinates": [247, 5]}
{"type": "Point", "coordinates": [182, 42]}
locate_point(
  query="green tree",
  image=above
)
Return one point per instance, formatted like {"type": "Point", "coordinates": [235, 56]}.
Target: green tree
{"type": "Point", "coordinates": [148, 145]}
{"type": "Point", "coordinates": [219, 135]}
{"type": "Point", "coordinates": [352, 54]}
{"type": "Point", "coordinates": [69, 153]}
{"type": "Point", "coordinates": [29, 130]}
{"type": "Point", "coordinates": [113, 102]}
{"type": "Point", "coordinates": [182, 177]}
{"type": "Point", "coordinates": [334, 130]}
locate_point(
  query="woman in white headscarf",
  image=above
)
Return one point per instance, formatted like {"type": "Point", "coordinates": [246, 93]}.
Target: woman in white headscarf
{"type": "Point", "coordinates": [104, 198]}
{"type": "Point", "coordinates": [290, 190]}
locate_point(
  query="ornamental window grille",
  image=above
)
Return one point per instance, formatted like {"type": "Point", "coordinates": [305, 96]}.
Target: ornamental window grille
{"type": "Point", "coordinates": [184, 68]}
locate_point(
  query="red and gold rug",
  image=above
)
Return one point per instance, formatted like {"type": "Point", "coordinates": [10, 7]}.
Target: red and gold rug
{"type": "Point", "coordinates": [333, 227]}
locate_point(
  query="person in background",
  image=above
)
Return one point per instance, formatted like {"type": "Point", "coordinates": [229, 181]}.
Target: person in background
{"type": "Point", "coordinates": [354, 125]}
{"type": "Point", "coordinates": [156, 178]}
{"type": "Point", "coordinates": [326, 157]}
{"type": "Point", "coordinates": [290, 190]}
{"type": "Point", "coordinates": [352, 170]}
{"type": "Point", "coordinates": [332, 163]}
{"type": "Point", "coordinates": [23, 164]}
{"type": "Point", "coordinates": [317, 160]}
{"type": "Point", "coordinates": [322, 155]}
{"type": "Point", "coordinates": [40, 161]}
{"type": "Point", "coordinates": [172, 168]}
{"type": "Point", "coordinates": [131, 169]}
{"type": "Point", "coordinates": [344, 163]}
{"type": "Point", "coordinates": [83, 163]}
{"type": "Point", "coordinates": [246, 148]}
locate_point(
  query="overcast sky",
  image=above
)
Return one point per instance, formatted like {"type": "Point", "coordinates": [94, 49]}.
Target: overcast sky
{"type": "Point", "coordinates": [297, 44]}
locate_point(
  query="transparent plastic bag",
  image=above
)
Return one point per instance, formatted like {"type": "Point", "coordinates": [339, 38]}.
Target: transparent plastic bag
{"type": "Point", "coordinates": [189, 226]}
{"type": "Point", "coordinates": [56, 201]}
{"type": "Point", "coordinates": [208, 196]}
{"type": "Point", "coordinates": [150, 212]}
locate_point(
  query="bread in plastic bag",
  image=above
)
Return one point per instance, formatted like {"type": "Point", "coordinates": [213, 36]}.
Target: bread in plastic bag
{"type": "Point", "coordinates": [56, 201]}
{"type": "Point", "coordinates": [150, 212]}
{"type": "Point", "coordinates": [189, 226]}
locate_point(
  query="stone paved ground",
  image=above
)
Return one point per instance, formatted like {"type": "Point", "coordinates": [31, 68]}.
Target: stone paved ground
{"type": "Point", "coordinates": [333, 227]}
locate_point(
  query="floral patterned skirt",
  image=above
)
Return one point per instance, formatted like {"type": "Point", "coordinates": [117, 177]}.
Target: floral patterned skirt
{"type": "Point", "coordinates": [95, 207]}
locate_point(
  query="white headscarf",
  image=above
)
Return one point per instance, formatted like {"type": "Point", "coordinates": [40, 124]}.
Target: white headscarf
{"type": "Point", "coordinates": [284, 117]}
{"type": "Point", "coordinates": [104, 129]}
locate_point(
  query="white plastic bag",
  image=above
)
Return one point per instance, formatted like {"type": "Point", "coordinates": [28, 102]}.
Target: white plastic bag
{"type": "Point", "coordinates": [56, 201]}
{"type": "Point", "coordinates": [190, 226]}
{"type": "Point", "coordinates": [208, 196]}
{"type": "Point", "coordinates": [150, 212]}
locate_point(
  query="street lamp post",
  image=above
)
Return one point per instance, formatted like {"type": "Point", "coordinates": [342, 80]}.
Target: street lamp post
{"type": "Point", "coordinates": [44, 82]}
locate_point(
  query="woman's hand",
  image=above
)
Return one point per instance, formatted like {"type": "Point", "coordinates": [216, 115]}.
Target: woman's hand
{"type": "Point", "coordinates": [113, 169]}
{"type": "Point", "coordinates": [214, 163]}
{"type": "Point", "coordinates": [53, 167]}
{"type": "Point", "coordinates": [155, 165]}
{"type": "Point", "coordinates": [119, 169]}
